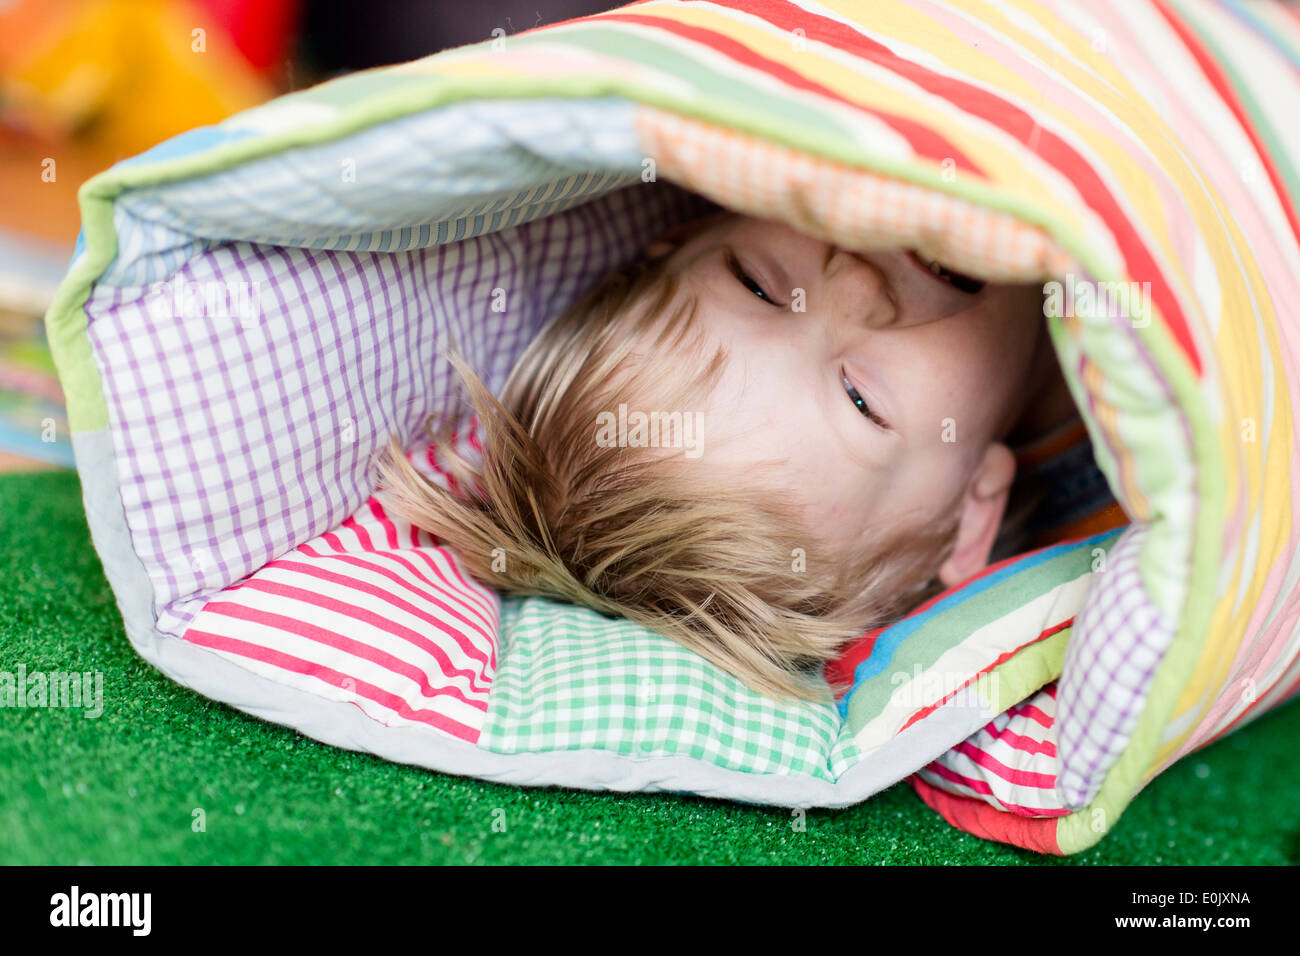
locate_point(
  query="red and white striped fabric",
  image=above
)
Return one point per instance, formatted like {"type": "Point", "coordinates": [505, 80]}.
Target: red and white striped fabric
{"type": "Point", "coordinates": [374, 612]}
{"type": "Point", "coordinates": [1010, 763]}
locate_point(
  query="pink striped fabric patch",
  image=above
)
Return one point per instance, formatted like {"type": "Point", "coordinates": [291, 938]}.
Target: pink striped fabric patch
{"type": "Point", "coordinates": [374, 613]}
{"type": "Point", "coordinates": [1010, 763]}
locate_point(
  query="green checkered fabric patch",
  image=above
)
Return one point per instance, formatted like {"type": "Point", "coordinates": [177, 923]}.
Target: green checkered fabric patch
{"type": "Point", "coordinates": [569, 678]}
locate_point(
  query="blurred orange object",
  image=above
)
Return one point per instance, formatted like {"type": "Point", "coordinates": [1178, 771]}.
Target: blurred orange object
{"type": "Point", "coordinates": [122, 74]}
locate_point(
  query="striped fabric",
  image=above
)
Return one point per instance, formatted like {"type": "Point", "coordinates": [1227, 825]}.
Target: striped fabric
{"type": "Point", "coordinates": [372, 613]}
{"type": "Point", "coordinates": [1020, 610]}
{"type": "Point", "coordinates": [1144, 142]}
{"type": "Point", "coordinates": [1011, 763]}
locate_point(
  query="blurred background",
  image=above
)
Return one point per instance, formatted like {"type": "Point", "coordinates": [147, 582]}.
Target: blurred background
{"type": "Point", "coordinates": [85, 83]}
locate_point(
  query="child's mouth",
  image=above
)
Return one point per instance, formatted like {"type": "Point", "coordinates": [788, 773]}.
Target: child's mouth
{"type": "Point", "coordinates": [962, 283]}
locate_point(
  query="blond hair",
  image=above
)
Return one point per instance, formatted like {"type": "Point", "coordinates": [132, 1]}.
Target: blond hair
{"type": "Point", "coordinates": [723, 567]}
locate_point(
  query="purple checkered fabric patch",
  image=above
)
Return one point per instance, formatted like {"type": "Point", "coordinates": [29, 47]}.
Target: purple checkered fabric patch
{"type": "Point", "coordinates": [1104, 685]}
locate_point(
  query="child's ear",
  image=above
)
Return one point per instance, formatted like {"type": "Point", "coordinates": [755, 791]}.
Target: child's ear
{"type": "Point", "coordinates": [982, 508]}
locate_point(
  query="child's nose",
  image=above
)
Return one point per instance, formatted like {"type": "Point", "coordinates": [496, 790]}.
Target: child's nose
{"type": "Point", "coordinates": [860, 290]}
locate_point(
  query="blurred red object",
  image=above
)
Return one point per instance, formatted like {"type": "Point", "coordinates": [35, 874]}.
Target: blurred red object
{"type": "Point", "coordinates": [262, 30]}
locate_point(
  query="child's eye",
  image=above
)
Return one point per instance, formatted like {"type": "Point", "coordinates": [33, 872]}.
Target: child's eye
{"type": "Point", "coordinates": [963, 283]}
{"type": "Point", "coordinates": [734, 265]}
{"type": "Point", "coordinates": [860, 402]}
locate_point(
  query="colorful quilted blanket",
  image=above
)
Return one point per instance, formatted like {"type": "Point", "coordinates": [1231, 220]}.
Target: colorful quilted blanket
{"type": "Point", "coordinates": [254, 306]}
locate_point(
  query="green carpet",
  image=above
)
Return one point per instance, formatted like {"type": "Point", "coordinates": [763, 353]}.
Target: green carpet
{"type": "Point", "coordinates": [124, 788]}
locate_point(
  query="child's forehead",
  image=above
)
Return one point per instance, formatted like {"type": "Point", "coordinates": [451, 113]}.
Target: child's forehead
{"type": "Point", "coordinates": [691, 239]}
{"type": "Point", "coordinates": [702, 239]}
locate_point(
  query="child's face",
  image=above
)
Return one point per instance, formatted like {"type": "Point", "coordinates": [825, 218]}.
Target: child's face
{"type": "Point", "coordinates": [935, 374]}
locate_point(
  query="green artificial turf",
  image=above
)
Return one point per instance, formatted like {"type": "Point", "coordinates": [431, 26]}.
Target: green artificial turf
{"type": "Point", "coordinates": [123, 788]}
